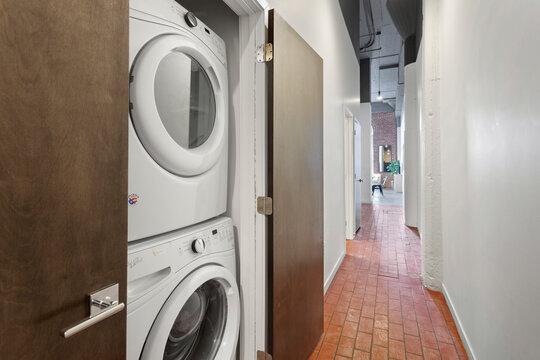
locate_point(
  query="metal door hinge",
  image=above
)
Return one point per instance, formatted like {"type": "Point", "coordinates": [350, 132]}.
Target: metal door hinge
{"type": "Point", "coordinates": [264, 205]}
{"type": "Point", "coordinates": [261, 355]}
{"type": "Point", "coordinates": [265, 53]}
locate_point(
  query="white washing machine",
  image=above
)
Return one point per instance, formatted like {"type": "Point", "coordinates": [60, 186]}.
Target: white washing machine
{"type": "Point", "coordinates": [178, 128]}
{"type": "Point", "coordinates": [183, 301]}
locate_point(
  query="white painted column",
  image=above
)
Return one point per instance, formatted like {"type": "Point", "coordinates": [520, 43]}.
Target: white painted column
{"type": "Point", "coordinates": [367, 146]}
{"type": "Point", "coordinates": [430, 139]}
{"type": "Point", "coordinates": [411, 155]}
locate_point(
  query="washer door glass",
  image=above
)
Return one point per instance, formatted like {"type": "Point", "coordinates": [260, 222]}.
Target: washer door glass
{"type": "Point", "coordinates": [185, 99]}
{"type": "Point", "coordinates": [198, 329]}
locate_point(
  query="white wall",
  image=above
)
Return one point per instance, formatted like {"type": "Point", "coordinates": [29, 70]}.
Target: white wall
{"type": "Point", "coordinates": [411, 156]}
{"type": "Point", "coordinates": [421, 155]}
{"type": "Point", "coordinates": [322, 26]}
{"type": "Point", "coordinates": [364, 117]}
{"type": "Point", "coordinates": [489, 97]}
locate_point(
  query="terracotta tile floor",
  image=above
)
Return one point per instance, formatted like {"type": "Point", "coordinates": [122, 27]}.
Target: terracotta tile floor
{"type": "Point", "coordinates": [376, 307]}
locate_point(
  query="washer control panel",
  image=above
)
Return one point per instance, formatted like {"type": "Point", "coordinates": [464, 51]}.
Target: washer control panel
{"type": "Point", "coordinates": [177, 249]}
{"type": "Point", "coordinates": [209, 241]}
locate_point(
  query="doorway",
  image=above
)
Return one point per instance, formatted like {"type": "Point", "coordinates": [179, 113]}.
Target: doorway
{"type": "Point", "coordinates": [386, 179]}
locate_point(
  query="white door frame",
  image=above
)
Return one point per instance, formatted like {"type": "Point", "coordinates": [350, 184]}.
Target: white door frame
{"type": "Point", "coordinates": [358, 186]}
{"type": "Point", "coordinates": [349, 175]}
{"type": "Point", "coordinates": [251, 165]}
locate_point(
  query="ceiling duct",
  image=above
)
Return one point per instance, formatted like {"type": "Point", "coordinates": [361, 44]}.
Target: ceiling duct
{"type": "Point", "coordinates": [403, 13]}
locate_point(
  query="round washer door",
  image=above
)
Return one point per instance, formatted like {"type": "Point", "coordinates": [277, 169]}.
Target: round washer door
{"type": "Point", "coordinates": [177, 104]}
{"type": "Point", "coordinates": [199, 320]}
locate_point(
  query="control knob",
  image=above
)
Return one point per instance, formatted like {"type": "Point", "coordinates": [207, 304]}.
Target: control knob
{"type": "Point", "coordinates": [198, 246]}
{"type": "Point", "coordinates": [191, 20]}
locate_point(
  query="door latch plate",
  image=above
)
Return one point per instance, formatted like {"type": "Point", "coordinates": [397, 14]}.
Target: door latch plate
{"type": "Point", "coordinates": [102, 299]}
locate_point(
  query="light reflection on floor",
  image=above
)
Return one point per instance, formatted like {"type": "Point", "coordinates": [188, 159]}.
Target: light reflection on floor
{"type": "Point", "coordinates": [390, 198]}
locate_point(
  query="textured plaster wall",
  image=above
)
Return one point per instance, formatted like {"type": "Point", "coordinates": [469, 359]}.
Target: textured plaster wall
{"type": "Point", "coordinates": [430, 149]}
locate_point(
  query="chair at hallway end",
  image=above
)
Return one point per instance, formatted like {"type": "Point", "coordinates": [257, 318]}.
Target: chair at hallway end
{"type": "Point", "coordinates": [376, 183]}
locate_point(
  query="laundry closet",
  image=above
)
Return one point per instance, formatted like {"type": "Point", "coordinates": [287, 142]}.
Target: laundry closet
{"type": "Point", "coordinates": [183, 301]}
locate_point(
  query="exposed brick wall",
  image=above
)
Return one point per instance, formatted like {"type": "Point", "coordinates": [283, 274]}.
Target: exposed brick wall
{"type": "Point", "coordinates": [384, 133]}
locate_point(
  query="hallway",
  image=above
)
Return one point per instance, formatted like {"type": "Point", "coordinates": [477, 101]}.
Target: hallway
{"type": "Point", "coordinates": [376, 303]}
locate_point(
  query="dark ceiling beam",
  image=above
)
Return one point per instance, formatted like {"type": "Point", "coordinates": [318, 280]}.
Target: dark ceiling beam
{"type": "Point", "coordinates": [365, 80]}
{"type": "Point", "coordinates": [350, 10]}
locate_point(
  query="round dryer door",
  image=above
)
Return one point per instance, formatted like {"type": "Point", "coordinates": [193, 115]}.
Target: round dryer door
{"type": "Point", "coordinates": [178, 105]}
{"type": "Point", "coordinates": [200, 320]}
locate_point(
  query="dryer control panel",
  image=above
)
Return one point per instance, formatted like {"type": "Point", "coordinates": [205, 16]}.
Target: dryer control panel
{"type": "Point", "coordinates": [171, 252]}
{"type": "Point", "coordinates": [174, 13]}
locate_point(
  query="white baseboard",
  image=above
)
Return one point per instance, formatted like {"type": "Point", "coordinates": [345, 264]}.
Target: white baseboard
{"type": "Point", "coordinates": [334, 271]}
{"type": "Point", "coordinates": [459, 325]}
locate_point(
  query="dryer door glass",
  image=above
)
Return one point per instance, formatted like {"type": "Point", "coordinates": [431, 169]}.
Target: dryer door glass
{"type": "Point", "coordinates": [185, 99]}
{"type": "Point", "coordinates": [198, 329]}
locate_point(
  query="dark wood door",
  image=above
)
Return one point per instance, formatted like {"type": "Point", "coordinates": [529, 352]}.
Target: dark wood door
{"type": "Point", "coordinates": [63, 174]}
{"type": "Point", "coordinates": [296, 186]}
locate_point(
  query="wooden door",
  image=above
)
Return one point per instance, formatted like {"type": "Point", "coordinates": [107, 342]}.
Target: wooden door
{"type": "Point", "coordinates": [357, 175]}
{"type": "Point", "coordinates": [63, 175]}
{"type": "Point", "coordinates": [296, 186]}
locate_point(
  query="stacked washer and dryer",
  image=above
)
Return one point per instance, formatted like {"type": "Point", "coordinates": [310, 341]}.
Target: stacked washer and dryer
{"type": "Point", "coordinates": [183, 300]}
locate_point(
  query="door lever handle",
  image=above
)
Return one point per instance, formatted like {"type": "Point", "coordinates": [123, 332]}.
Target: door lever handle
{"type": "Point", "coordinates": [103, 304]}
{"type": "Point", "coordinates": [360, 180]}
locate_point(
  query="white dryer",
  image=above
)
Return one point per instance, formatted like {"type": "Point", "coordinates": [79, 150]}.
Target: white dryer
{"type": "Point", "coordinates": [178, 128]}
{"type": "Point", "coordinates": [183, 301]}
